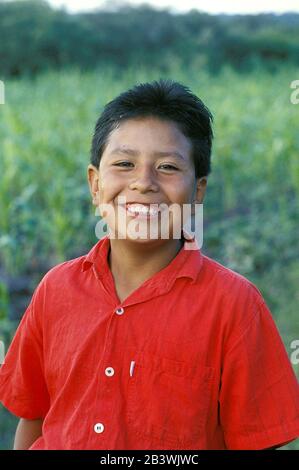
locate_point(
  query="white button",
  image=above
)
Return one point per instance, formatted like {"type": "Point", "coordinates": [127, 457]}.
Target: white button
{"type": "Point", "coordinates": [119, 311]}
{"type": "Point", "coordinates": [109, 371]}
{"type": "Point", "coordinates": [98, 428]}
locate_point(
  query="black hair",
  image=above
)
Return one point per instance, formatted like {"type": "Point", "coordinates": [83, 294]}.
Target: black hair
{"type": "Point", "coordinates": [167, 100]}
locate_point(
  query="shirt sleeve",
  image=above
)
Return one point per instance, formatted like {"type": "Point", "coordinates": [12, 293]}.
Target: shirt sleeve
{"type": "Point", "coordinates": [259, 393]}
{"type": "Point", "coordinates": [23, 389]}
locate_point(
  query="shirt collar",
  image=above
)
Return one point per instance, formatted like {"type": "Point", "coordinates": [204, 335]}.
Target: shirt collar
{"type": "Point", "coordinates": [187, 262]}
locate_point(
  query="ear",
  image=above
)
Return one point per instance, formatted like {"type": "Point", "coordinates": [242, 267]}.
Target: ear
{"type": "Point", "coordinates": [201, 186]}
{"type": "Point", "coordinates": [93, 178]}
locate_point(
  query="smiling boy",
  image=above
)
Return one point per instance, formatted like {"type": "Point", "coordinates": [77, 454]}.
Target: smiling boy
{"type": "Point", "coordinates": [148, 162]}
{"type": "Point", "coordinates": [144, 343]}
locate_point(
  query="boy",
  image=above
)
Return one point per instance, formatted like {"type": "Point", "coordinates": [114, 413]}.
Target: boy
{"type": "Point", "coordinates": [144, 343]}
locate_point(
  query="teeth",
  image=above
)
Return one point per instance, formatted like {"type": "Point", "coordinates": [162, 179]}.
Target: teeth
{"type": "Point", "coordinates": [141, 209]}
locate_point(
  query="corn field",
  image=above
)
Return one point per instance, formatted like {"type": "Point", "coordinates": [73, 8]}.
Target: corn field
{"type": "Point", "coordinates": [251, 207]}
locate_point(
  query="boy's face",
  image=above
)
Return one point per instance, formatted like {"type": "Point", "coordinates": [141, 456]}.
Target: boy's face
{"type": "Point", "coordinates": [146, 161]}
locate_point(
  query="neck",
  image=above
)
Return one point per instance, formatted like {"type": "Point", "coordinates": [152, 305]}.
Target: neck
{"type": "Point", "coordinates": [133, 262]}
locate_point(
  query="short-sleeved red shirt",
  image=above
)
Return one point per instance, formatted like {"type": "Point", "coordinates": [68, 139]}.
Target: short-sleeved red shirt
{"type": "Point", "coordinates": [190, 360]}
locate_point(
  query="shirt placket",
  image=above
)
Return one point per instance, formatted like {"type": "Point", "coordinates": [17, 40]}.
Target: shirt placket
{"type": "Point", "coordinates": [108, 383]}
{"type": "Point", "coordinates": [103, 421]}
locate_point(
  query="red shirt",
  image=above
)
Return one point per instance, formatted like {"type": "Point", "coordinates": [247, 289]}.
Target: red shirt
{"type": "Point", "coordinates": [190, 360]}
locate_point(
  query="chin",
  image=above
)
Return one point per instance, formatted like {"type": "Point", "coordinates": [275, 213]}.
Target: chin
{"type": "Point", "coordinates": [145, 238]}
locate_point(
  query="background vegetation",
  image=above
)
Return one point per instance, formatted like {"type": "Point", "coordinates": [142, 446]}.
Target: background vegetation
{"type": "Point", "coordinates": [59, 71]}
{"type": "Point", "coordinates": [34, 37]}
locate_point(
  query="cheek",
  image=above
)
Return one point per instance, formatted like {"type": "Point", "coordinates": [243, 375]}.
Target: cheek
{"type": "Point", "coordinates": [180, 192]}
{"type": "Point", "coordinates": [109, 187]}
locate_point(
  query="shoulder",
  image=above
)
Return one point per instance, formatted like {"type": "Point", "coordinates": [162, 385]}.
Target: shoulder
{"type": "Point", "coordinates": [227, 282]}
{"type": "Point", "coordinates": [235, 301]}
{"type": "Point", "coordinates": [64, 271]}
{"type": "Point", "coordinates": [61, 280]}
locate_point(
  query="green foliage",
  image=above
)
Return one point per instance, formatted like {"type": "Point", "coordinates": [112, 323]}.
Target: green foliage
{"type": "Point", "coordinates": [35, 37]}
{"type": "Point", "coordinates": [8, 424]}
{"type": "Point", "coordinates": [3, 301]}
{"type": "Point", "coordinates": [251, 209]}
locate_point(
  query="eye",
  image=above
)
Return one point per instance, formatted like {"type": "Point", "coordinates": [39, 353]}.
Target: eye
{"type": "Point", "coordinates": [166, 166]}
{"type": "Point", "coordinates": [124, 164]}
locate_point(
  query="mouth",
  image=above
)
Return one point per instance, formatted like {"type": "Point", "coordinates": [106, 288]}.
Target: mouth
{"type": "Point", "coordinates": [142, 211]}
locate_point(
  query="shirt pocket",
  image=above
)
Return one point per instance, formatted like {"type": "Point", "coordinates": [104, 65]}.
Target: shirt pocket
{"type": "Point", "coordinates": [168, 401]}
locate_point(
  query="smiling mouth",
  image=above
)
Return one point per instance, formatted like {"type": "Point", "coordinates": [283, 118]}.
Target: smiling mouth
{"type": "Point", "coordinates": [143, 211]}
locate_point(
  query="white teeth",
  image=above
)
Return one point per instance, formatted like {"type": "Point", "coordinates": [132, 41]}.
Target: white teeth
{"type": "Point", "coordinates": [141, 209]}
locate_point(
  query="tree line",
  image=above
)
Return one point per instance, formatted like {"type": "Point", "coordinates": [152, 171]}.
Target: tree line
{"type": "Point", "coordinates": [35, 37]}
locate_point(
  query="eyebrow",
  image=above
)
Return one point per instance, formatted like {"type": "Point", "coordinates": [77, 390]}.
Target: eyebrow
{"type": "Point", "coordinates": [128, 151]}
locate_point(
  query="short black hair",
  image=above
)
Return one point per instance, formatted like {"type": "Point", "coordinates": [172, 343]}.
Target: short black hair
{"type": "Point", "coordinates": [167, 100]}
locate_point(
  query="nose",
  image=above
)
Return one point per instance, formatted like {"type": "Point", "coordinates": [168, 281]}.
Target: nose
{"type": "Point", "coordinates": [144, 180]}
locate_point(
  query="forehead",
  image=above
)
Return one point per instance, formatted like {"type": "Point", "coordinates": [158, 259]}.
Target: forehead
{"type": "Point", "coordinates": [150, 133]}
